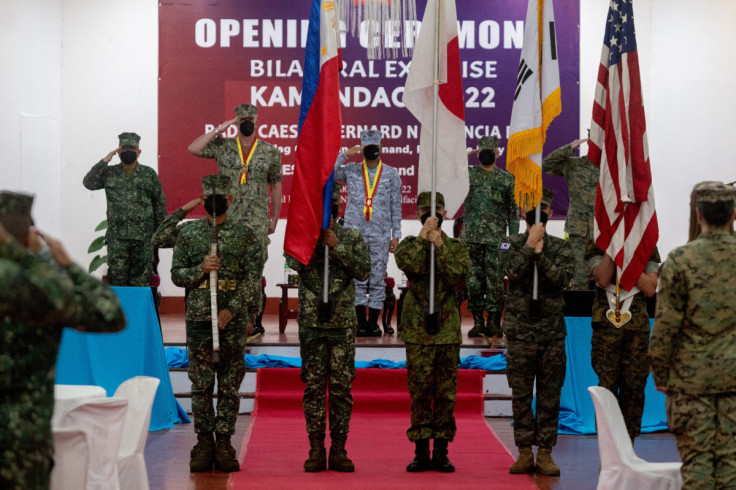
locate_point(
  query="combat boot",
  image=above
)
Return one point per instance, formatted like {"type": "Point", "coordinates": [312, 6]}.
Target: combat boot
{"type": "Point", "coordinates": [440, 461]}
{"type": "Point", "coordinates": [545, 464]}
{"type": "Point", "coordinates": [362, 322]}
{"type": "Point", "coordinates": [339, 460]}
{"type": "Point", "coordinates": [225, 455]}
{"type": "Point", "coordinates": [478, 326]}
{"type": "Point", "coordinates": [317, 453]}
{"type": "Point", "coordinates": [421, 460]}
{"type": "Point", "coordinates": [524, 463]}
{"type": "Point", "coordinates": [493, 325]}
{"type": "Point", "coordinates": [372, 329]}
{"type": "Point", "coordinates": [203, 453]}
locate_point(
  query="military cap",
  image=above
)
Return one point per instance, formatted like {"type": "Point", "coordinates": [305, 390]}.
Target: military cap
{"type": "Point", "coordinates": [370, 137]}
{"type": "Point", "coordinates": [129, 139]}
{"type": "Point", "coordinates": [220, 184]}
{"type": "Point", "coordinates": [714, 191]}
{"type": "Point", "coordinates": [487, 143]}
{"type": "Point", "coordinates": [15, 204]}
{"type": "Point", "coordinates": [424, 200]}
{"type": "Point", "coordinates": [246, 110]}
{"type": "Point", "coordinates": [336, 192]}
{"type": "Point", "coordinates": [547, 196]}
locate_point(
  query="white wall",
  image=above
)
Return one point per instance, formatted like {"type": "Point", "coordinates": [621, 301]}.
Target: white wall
{"type": "Point", "coordinates": [78, 72]}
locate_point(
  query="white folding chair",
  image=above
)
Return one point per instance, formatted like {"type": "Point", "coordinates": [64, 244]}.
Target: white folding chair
{"type": "Point", "coordinates": [102, 421]}
{"type": "Point", "coordinates": [71, 453]}
{"type": "Point", "coordinates": [620, 466]}
{"type": "Point", "coordinates": [140, 392]}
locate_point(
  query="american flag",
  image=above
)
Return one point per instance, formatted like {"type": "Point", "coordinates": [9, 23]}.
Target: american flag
{"type": "Point", "coordinates": [625, 218]}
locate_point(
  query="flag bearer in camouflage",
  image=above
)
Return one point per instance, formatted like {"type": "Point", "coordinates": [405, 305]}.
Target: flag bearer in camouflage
{"type": "Point", "coordinates": [490, 209]}
{"type": "Point", "coordinates": [238, 264]}
{"type": "Point", "coordinates": [136, 205]}
{"type": "Point", "coordinates": [619, 354]}
{"type": "Point", "coordinates": [432, 343]}
{"type": "Point", "coordinates": [374, 208]}
{"type": "Point", "coordinates": [327, 338]}
{"type": "Point", "coordinates": [581, 176]}
{"type": "Point", "coordinates": [41, 291]}
{"type": "Point", "coordinates": [693, 345]}
{"type": "Point", "coordinates": [535, 337]}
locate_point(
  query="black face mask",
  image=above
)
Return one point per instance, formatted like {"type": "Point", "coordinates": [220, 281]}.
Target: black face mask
{"type": "Point", "coordinates": [220, 207]}
{"type": "Point", "coordinates": [371, 152]}
{"type": "Point", "coordinates": [335, 210]}
{"type": "Point", "coordinates": [247, 128]}
{"type": "Point", "coordinates": [423, 218]}
{"type": "Point", "coordinates": [531, 217]}
{"type": "Point", "coordinates": [128, 156]}
{"type": "Point", "coordinates": [487, 157]}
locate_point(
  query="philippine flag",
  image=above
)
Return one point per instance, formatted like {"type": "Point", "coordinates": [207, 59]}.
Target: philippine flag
{"type": "Point", "coordinates": [318, 142]}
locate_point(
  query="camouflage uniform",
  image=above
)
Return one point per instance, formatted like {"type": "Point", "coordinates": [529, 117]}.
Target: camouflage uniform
{"type": "Point", "coordinates": [619, 355]}
{"type": "Point", "coordinates": [431, 360]}
{"type": "Point", "coordinates": [693, 355]}
{"type": "Point", "coordinates": [536, 346]}
{"type": "Point", "coordinates": [328, 347]}
{"type": "Point", "coordinates": [136, 205]}
{"type": "Point", "coordinates": [489, 209]}
{"type": "Point", "coordinates": [241, 261]}
{"type": "Point", "coordinates": [169, 229]}
{"type": "Point", "coordinates": [582, 177]}
{"type": "Point", "coordinates": [37, 299]}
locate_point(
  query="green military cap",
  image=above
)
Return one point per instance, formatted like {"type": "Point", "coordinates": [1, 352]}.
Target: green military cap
{"type": "Point", "coordinates": [246, 110]}
{"type": "Point", "coordinates": [15, 204]}
{"type": "Point", "coordinates": [714, 191]}
{"type": "Point", "coordinates": [129, 139]}
{"type": "Point", "coordinates": [424, 200]}
{"type": "Point", "coordinates": [336, 192]}
{"type": "Point", "coordinates": [547, 196]}
{"type": "Point", "coordinates": [487, 143]}
{"type": "Point", "coordinates": [216, 184]}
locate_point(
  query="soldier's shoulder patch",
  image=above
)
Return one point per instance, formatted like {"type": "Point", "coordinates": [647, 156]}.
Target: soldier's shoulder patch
{"type": "Point", "coordinates": [504, 246]}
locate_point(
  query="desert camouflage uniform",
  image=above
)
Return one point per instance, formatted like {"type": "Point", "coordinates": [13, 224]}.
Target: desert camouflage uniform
{"type": "Point", "coordinates": [432, 360]}
{"type": "Point", "coordinates": [693, 355]}
{"type": "Point", "coordinates": [535, 346]}
{"type": "Point", "coordinates": [239, 251]}
{"type": "Point", "coordinates": [489, 209]}
{"type": "Point", "coordinates": [327, 348]}
{"type": "Point", "coordinates": [37, 299]}
{"type": "Point", "coordinates": [385, 224]}
{"type": "Point", "coordinates": [136, 205]}
{"type": "Point", "coordinates": [619, 355]}
{"type": "Point", "coordinates": [581, 176]}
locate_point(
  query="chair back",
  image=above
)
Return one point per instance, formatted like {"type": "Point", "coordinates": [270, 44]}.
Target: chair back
{"type": "Point", "coordinates": [614, 443]}
{"type": "Point", "coordinates": [71, 453]}
{"type": "Point", "coordinates": [140, 392]}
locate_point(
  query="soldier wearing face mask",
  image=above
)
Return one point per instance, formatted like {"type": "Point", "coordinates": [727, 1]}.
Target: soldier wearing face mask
{"type": "Point", "coordinates": [373, 208]}
{"type": "Point", "coordinates": [136, 206]}
{"type": "Point", "coordinates": [254, 168]}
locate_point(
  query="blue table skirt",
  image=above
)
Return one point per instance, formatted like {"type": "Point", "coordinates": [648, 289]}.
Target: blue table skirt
{"type": "Point", "coordinates": [108, 359]}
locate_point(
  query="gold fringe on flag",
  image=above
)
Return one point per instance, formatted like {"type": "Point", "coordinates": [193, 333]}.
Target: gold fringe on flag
{"type": "Point", "coordinates": [375, 17]}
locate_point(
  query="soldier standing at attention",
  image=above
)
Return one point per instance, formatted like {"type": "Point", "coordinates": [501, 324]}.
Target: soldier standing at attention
{"type": "Point", "coordinates": [535, 337]}
{"type": "Point", "coordinates": [489, 209]}
{"type": "Point", "coordinates": [38, 297]}
{"type": "Point", "coordinates": [693, 345]}
{"type": "Point", "coordinates": [136, 205]}
{"type": "Point", "coordinates": [238, 264]}
{"type": "Point", "coordinates": [374, 208]}
{"type": "Point", "coordinates": [327, 338]}
{"type": "Point", "coordinates": [582, 177]}
{"type": "Point", "coordinates": [254, 168]}
{"type": "Point", "coordinates": [432, 342]}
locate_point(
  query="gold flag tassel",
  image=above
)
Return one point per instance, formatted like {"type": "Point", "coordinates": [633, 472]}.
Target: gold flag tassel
{"type": "Point", "coordinates": [372, 17]}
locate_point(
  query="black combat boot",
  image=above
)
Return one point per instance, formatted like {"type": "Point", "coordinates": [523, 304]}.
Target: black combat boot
{"type": "Point", "coordinates": [493, 325]}
{"type": "Point", "coordinates": [339, 460]}
{"type": "Point", "coordinates": [478, 326]}
{"type": "Point", "coordinates": [317, 453]}
{"type": "Point", "coordinates": [203, 453]}
{"type": "Point", "coordinates": [225, 459]}
{"type": "Point", "coordinates": [362, 322]}
{"type": "Point", "coordinates": [373, 329]}
{"type": "Point", "coordinates": [421, 460]}
{"type": "Point", "coordinates": [440, 461]}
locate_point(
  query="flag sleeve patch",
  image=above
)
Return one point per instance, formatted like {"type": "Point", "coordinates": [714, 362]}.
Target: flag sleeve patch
{"type": "Point", "coordinates": [504, 246]}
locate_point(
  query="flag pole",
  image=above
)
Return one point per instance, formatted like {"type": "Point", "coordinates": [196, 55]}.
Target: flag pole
{"type": "Point", "coordinates": [535, 286]}
{"type": "Point", "coordinates": [433, 203]}
{"type": "Point", "coordinates": [325, 286]}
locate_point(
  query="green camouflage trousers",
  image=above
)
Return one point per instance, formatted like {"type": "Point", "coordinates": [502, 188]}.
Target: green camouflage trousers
{"type": "Point", "coordinates": [485, 278]}
{"type": "Point", "coordinates": [620, 360]}
{"type": "Point", "coordinates": [328, 365]}
{"type": "Point", "coordinates": [229, 372]}
{"type": "Point", "coordinates": [578, 244]}
{"type": "Point", "coordinates": [705, 431]}
{"type": "Point", "coordinates": [431, 374]}
{"type": "Point", "coordinates": [129, 262]}
{"type": "Point", "coordinates": [545, 362]}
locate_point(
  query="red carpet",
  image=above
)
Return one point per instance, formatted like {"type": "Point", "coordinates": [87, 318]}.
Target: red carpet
{"type": "Point", "coordinates": [276, 444]}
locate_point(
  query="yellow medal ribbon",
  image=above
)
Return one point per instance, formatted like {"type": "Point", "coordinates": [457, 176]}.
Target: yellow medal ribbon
{"type": "Point", "coordinates": [370, 190]}
{"type": "Point", "coordinates": [244, 163]}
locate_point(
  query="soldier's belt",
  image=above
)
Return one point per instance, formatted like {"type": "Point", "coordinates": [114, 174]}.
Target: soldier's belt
{"type": "Point", "coordinates": [222, 284]}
